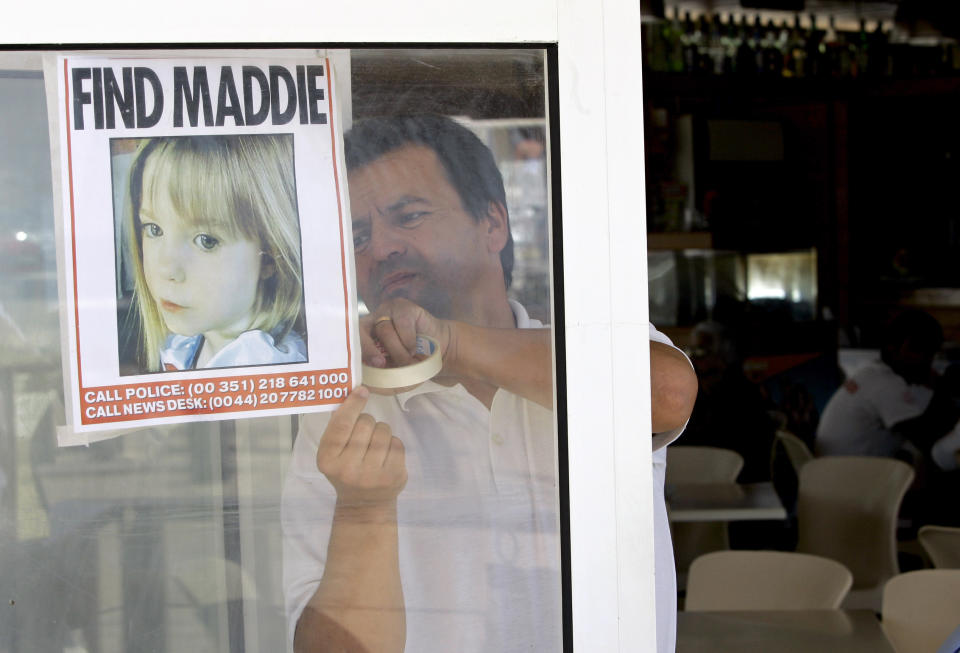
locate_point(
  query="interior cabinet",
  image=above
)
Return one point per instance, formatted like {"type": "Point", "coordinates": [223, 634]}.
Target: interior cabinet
{"type": "Point", "coordinates": [857, 172]}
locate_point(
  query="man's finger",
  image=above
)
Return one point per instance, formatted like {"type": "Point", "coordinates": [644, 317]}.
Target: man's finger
{"type": "Point", "coordinates": [359, 442]}
{"type": "Point", "coordinates": [369, 350]}
{"type": "Point", "coordinates": [341, 424]}
{"type": "Point", "coordinates": [405, 315]}
{"type": "Point", "coordinates": [386, 334]}
{"type": "Point", "coordinates": [379, 445]}
{"type": "Point", "coordinates": [396, 457]}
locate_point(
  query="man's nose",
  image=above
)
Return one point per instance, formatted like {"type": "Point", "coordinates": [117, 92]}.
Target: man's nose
{"type": "Point", "coordinates": [385, 242]}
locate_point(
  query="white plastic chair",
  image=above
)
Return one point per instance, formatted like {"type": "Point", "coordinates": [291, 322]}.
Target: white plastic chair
{"type": "Point", "coordinates": [942, 544]}
{"type": "Point", "coordinates": [847, 511]}
{"type": "Point", "coordinates": [699, 465]}
{"type": "Point", "coordinates": [921, 609]}
{"type": "Point", "coordinates": [766, 580]}
{"type": "Point", "coordinates": [702, 465]}
{"type": "Point", "coordinates": [797, 450]}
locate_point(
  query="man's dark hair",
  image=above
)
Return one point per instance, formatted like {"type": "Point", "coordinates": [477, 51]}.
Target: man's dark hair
{"type": "Point", "coordinates": [920, 329]}
{"type": "Point", "coordinates": [467, 162]}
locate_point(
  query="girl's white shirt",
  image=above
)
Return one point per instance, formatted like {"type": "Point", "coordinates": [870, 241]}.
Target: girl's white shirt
{"type": "Point", "coordinates": [249, 348]}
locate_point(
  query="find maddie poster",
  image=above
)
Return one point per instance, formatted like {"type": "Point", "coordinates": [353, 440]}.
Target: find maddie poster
{"type": "Point", "coordinates": [205, 272]}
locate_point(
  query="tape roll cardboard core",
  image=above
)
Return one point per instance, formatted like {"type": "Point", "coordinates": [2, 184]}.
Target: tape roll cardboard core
{"type": "Point", "coordinates": [407, 375]}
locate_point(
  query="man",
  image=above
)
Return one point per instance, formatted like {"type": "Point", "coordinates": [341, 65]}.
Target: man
{"type": "Point", "coordinates": [730, 411]}
{"type": "Point", "coordinates": [887, 408]}
{"type": "Point", "coordinates": [431, 521]}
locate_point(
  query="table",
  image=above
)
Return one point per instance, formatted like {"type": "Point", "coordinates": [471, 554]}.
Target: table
{"type": "Point", "coordinates": [713, 502]}
{"type": "Point", "coordinates": [783, 631]}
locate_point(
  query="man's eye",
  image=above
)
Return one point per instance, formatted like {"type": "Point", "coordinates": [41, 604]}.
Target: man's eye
{"type": "Point", "coordinates": [206, 242]}
{"type": "Point", "coordinates": [360, 240]}
{"type": "Point", "coordinates": [412, 219]}
{"type": "Point", "coordinates": [151, 230]}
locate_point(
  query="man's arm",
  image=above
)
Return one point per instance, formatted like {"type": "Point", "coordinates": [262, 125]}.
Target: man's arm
{"type": "Point", "coordinates": [920, 430]}
{"type": "Point", "coordinates": [517, 360]}
{"type": "Point", "coordinates": [939, 417]}
{"type": "Point", "coordinates": [673, 387]}
{"type": "Point", "coordinates": [358, 605]}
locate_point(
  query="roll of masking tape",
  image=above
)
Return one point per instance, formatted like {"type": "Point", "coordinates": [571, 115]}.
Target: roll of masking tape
{"type": "Point", "coordinates": [407, 375]}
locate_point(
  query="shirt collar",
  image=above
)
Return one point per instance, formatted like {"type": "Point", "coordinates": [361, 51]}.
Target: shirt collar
{"type": "Point", "coordinates": [520, 316]}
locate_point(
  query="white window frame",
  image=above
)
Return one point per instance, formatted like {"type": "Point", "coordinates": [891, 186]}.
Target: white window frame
{"type": "Point", "coordinates": [604, 234]}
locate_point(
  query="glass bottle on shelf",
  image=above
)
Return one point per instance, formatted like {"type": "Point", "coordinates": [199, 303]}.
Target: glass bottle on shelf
{"type": "Point", "coordinates": [652, 42]}
{"type": "Point", "coordinates": [772, 55]}
{"type": "Point", "coordinates": [702, 43]}
{"type": "Point", "coordinates": [689, 42]}
{"type": "Point", "coordinates": [675, 61]}
{"type": "Point", "coordinates": [830, 48]}
{"type": "Point", "coordinates": [746, 57]}
{"type": "Point", "coordinates": [847, 53]}
{"type": "Point", "coordinates": [717, 47]}
{"type": "Point", "coordinates": [759, 44]}
{"type": "Point", "coordinates": [662, 48]}
{"type": "Point", "coordinates": [861, 51]}
{"type": "Point", "coordinates": [731, 45]}
{"type": "Point", "coordinates": [783, 47]}
{"type": "Point", "coordinates": [783, 44]}
{"type": "Point", "coordinates": [796, 51]}
{"type": "Point", "coordinates": [814, 58]}
{"type": "Point", "coordinates": [880, 62]}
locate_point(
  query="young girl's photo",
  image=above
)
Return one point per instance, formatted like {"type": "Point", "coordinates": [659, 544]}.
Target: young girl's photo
{"type": "Point", "coordinates": [210, 275]}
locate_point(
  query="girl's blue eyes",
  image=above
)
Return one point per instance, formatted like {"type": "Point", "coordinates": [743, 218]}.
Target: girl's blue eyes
{"type": "Point", "coordinates": [206, 242]}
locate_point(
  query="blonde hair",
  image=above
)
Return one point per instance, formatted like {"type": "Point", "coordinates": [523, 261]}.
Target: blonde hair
{"type": "Point", "coordinates": [242, 185]}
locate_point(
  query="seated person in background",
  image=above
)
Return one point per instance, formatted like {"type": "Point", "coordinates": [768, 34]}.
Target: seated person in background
{"type": "Point", "coordinates": [937, 486]}
{"type": "Point", "coordinates": [887, 408]}
{"type": "Point", "coordinates": [730, 411]}
{"type": "Point", "coordinates": [946, 451]}
{"type": "Point", "coordinates": [428, 520]}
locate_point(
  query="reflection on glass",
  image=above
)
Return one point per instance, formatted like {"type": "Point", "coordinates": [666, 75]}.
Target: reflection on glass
{"type": "Point", "coordinates": [170, 539]}
{"type": "Point", "coordinates": [691, 285]}
{"type": "Point", "coordinates": [786, 278]}
{"type": "Point", "coordinates": [452, 542]}
{"type": "Point", "coordinates": [663, 288]}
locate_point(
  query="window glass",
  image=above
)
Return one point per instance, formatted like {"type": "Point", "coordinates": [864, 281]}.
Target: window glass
{"type": "Point", "coordinates": [214, 536]}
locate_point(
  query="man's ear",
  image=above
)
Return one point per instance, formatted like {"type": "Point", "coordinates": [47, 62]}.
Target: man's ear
{"type": "Point", "coordinates": [498, 227]}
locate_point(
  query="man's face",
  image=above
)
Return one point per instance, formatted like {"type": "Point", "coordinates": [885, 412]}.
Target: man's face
{"type": "Point", "coordinates": [414, 239]}
{"type": "Point", "coordinates": [913, 361]}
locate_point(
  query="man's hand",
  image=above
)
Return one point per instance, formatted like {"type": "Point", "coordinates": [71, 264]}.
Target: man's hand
{"type": "Point", "coordinates": [360, 457]}
{"type": "Point", "coordinates": [395, 326]}
{"type": "Point", "coordinates": [358, 605]}
{"type": "Point", "coordinates": [483, 359]}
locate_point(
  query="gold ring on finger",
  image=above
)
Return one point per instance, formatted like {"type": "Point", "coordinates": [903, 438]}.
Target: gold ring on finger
{"type": "Point", "coordinates": [385, 318]}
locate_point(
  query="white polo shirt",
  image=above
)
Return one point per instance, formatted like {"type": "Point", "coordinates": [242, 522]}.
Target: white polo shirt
{"type": "Point", "coordinates": [478, 521]}
{"type": "Point", "coordinates": [665, 568]}
{"type": "Point", "coordinates": [858, 419]}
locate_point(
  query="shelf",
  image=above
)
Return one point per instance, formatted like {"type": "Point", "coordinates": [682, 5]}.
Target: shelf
{"type": "Point", "coordinates": [680, 240]}
{"type": "Point", "coordinates": [751, 88]}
